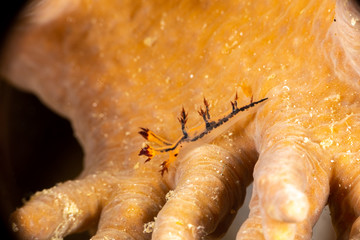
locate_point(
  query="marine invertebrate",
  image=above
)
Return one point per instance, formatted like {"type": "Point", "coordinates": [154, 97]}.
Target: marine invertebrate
{"type": "Point", "coordinates": [117, 65]}
{"type": "Point", "coordinates": [193, 135]}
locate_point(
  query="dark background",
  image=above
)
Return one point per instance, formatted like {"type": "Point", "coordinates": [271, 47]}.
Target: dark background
{"type": "Point", "coordinates": [37, 147]}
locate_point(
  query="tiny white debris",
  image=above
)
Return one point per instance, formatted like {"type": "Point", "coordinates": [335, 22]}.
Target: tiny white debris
{"type": "Point", "coordinates": [335, 97]}
{"type": "Point", "coordinates": [136, 166]}
{"type": "Point", "coordinates": [272, 76]}
{"type": "Point", "coordinates": [162, 24]}
{"type": "Point", "coordinates": [326, 143]}
{"type": "Point", "coordinates": [169, 195]}
{"type": "Point", "coordinates": [353, 21]}
{"type": "Point", "coordinates": [149, 227]}
{"type": "Point", "coordinates": [149, 41]}
{"type": "Point", "coordinates": [200, 229]}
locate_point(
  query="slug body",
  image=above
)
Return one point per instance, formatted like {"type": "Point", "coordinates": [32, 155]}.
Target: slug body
{"type": "Point", "coordinates": [202, 135]}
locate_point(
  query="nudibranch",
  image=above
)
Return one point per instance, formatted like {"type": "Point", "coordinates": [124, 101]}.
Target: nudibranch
{"type": "Point", "coordinates": [191, 135]}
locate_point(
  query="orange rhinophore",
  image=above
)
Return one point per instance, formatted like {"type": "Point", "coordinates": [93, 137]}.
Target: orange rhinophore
{"type": "Point", "coordinates": [152, 137]}
{"type": "Point", "coordinates": [192, 135]}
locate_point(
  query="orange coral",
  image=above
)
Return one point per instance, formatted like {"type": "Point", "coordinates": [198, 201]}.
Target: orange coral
{"type": "Point", "coordinates": [112, 66]}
